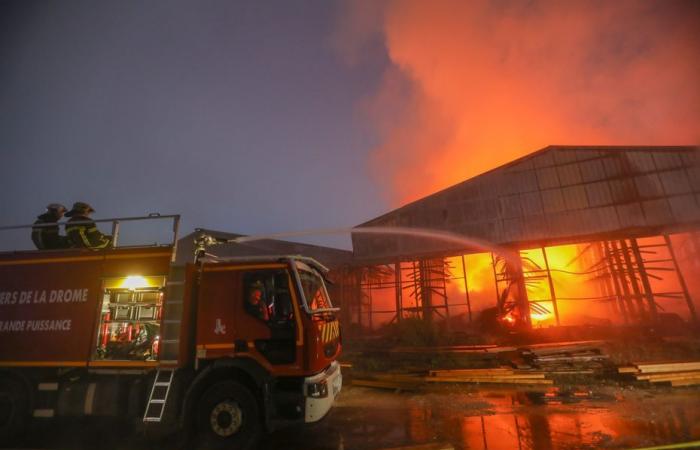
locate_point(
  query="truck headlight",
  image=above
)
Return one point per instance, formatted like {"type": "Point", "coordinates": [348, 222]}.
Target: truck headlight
{"type": "Point", "coordinates": [318, 390]}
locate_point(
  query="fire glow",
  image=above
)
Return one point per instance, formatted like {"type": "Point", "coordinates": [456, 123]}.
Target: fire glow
{"type": "Point", "coordinates": [566, 267]}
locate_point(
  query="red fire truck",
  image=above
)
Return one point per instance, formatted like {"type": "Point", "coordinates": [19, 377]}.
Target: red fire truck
{"type": "Point", "coordinates": [223, 347]}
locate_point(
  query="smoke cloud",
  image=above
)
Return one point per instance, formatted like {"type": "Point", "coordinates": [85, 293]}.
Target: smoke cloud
{"type": "Point", "coordinates": [472, 85]}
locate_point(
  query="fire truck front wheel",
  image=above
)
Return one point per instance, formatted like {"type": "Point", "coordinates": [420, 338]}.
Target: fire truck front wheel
{"type": "Point", "coordinates": [228, 416]}
{"type": "Point", "coordinates": [14, 409]}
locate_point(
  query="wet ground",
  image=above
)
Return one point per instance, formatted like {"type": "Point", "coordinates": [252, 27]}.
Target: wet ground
{"type": "Point", "coordinates": [462, 418]}
{"type": "Point", "coordinates": [505, 419]}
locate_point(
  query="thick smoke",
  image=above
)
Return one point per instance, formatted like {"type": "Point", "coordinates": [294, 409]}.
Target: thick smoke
{"type": "Point", "coordinates": [472, 85]}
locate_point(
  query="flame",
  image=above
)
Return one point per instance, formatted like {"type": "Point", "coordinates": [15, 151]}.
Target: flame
{"type": "Point", "coordinates": [566, 268]}
{"type": "Point", "coordinates": [479, 272]}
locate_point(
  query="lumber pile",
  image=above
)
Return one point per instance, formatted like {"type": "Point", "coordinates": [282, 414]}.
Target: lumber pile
{"type": "Point", "coordinates": [677, 373]}
{"type": "Point", "coordinates": [566, 358]}
{"type": "Point", "coordinates": [411, 382]}
{"type": "Point", "coordinates": [499, 375]}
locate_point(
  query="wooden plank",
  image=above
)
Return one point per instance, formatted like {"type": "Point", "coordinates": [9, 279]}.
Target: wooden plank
{"type": "Point", "coordinates": [383, 384]}
{"type": "Point", "coordinates": [501, 349]}
{"type": "Point", "coordinates": [571, 372]}
{"type": "Point", "coordinates": [394, 377]}
{"type": "Point", "coordinates": [668, 367]}
{"type": "Point", "coordinates": [488, 380]}
{"type": "Point", "coordinates": [627, 369]}
{"type": "Point", "coordinates": [667, 376]}
{"type": "Point", "coordinates": [676, 383]}
{"type": "Point", "coordinates": [444, 349]}
{"type": "Point", "coordinates": [514, 376]}
{"type": "Point", "coordinates": [451, 372]}
{"type": "Point", "coordinates": [573, 358]}
{"type": "Point", "coordinates": [566, 344]}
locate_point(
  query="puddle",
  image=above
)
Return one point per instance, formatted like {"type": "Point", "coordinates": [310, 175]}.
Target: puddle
{"type": "Point", "coordinates": [550, 419]}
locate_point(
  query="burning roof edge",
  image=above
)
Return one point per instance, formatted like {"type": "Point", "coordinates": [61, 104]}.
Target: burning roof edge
{"type": "Point", "coordinates": [536, 153]}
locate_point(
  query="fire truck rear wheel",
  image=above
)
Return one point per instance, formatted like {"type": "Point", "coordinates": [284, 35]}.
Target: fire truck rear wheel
{"type": "Point", "coordinates": [14, 409]}
{"type": "Point", "coordinates": [228, 416]}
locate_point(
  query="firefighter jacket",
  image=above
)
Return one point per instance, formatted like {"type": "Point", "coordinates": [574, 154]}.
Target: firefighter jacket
{"type": "Point", "coordinates": [48, 238]}
{"type": "Point", "coordinates": [86, 235]}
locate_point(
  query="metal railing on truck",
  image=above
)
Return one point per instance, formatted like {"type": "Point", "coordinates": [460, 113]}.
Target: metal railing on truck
{"type": "Point", "coordinates": [7, 237]}
{"type": "Point", "coordinates": [174, 286]}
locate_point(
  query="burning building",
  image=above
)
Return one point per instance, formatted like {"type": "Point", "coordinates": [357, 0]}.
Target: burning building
{"type": "Point", "coordinates": [603, 235]}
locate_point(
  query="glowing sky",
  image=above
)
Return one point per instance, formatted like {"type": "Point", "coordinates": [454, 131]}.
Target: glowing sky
{"type": "Point", "coordinates": [475, 84]}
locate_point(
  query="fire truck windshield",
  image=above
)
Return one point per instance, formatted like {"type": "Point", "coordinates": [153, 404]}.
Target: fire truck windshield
{"type": "Point", "coordinates": [314, 291]}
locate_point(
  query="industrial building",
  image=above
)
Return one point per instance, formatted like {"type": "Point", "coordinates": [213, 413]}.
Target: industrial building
{"type": "Point", "coordinates": [605, 235]}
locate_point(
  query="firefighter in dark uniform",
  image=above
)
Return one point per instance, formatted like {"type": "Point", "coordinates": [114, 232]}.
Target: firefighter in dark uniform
{"type": "Point", "coordinates": [48, 237]}
{"type": "Point", "coordinates": [82, 231]}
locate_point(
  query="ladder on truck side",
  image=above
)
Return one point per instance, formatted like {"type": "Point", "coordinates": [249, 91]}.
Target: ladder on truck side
{"type": "Point", "coordinates": [170, 345]}
{"type": "Point", "coordinates": [159, 395]}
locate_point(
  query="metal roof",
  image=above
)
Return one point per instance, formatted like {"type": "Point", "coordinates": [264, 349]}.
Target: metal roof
{"type": "Point", "coordinates": [560, 194]}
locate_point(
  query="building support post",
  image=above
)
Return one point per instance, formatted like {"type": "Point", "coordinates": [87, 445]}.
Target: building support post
{"type": "Point", "coordinates": [397, 285]}
{"type": "Point", "coordinates": [644, 278]}
{"type": "Point", "coordinates": [619, 283]}
{"type": "Point", "coordinates": [466, 287]}
{"type": "Point", "coordinates": [553, 294]}
{"type": "Point", "coordinates": [632, 274]}
{"type": "Point", "coordinates": [622, 277]}
{"type": "Point", "coordinates": [681, 279]}
{"type": "Point", "coordinates": [426, 290]}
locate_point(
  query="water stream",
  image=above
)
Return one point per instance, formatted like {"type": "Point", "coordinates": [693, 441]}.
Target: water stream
{"type": "Point", "coordinates": [465, 242]}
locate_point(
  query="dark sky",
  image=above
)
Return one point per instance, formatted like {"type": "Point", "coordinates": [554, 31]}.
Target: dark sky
{"type": "Point", "coordinates": [238, 115]}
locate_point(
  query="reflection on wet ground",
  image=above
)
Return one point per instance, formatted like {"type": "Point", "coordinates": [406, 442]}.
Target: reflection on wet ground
{"type": "Point", "coordinates": [494, 419]}
{"type": "Point", "coordinates": [465, 417]}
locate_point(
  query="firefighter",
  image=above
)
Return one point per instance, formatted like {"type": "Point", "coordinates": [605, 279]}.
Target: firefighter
{"type": "Point", "coordinates": [258, 307]}
{"type": "Point", "coordinates": [48, 237]}
{"type": "Point", "coordinates": [82, 231]}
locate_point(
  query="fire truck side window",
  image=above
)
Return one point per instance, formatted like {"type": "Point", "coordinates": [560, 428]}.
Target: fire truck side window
{"type": "Point", "coordinates": [267, 296]}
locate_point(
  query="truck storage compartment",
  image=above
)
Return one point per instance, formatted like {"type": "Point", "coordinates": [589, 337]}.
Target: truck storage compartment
{"type": "Point", "coordinates": [130, 318]}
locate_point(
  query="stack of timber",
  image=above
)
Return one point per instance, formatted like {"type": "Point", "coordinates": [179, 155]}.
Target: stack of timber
{"type": "Point", "coordinates": [498, 375]}
{"type": "Point", "coordinates": [678, 373]}
{"type": "Point", "coordinates": [566, 358]}
{"type": "Point", "coordinates": [414, 381]}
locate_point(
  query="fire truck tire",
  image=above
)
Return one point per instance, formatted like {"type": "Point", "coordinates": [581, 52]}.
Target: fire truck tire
{"type": "Point", "coordinates": [228, 417]}
{"type": "Point", "coordinates": [14, 409]}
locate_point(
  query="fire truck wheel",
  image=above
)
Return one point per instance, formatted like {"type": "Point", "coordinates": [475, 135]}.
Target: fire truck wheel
{"type": "Point", "coordinates": [228, 417]}
{"type": "Point", "coordinates": [14, 409]}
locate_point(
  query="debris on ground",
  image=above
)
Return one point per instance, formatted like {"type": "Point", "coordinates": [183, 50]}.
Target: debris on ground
{"type": "Point", "coordinates": [566, 358]}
